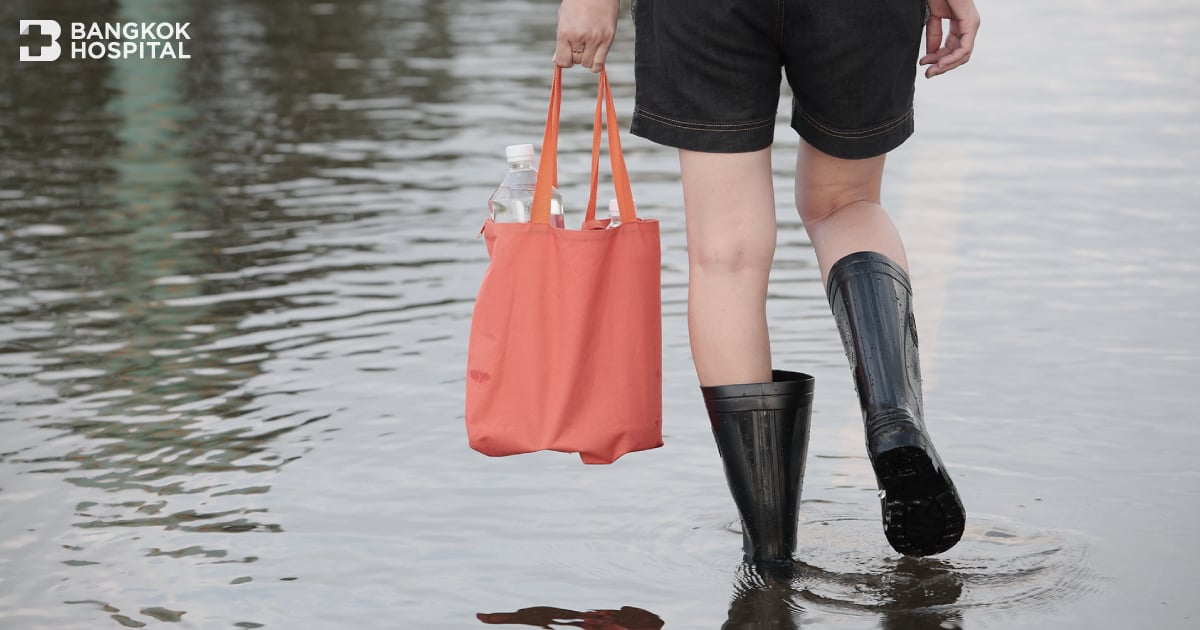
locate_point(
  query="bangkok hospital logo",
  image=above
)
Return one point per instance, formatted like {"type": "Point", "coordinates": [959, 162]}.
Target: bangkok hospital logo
{"type": "Point", "coordinates": [43, 40]}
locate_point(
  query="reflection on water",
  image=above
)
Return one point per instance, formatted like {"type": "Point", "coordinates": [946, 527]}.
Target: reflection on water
{"type": "Point", "coordinates": [911, 594]}
{"type": "Point", "coordinates": [997, 566]}
{"type": "Point", "coordinates": [626, 618]}
{"type": "Point", "coordinates": [763, 601]}
{"type": "Point", "coordinates": [169, 238]}
{"type": "Point", "coordinates": [235, 292]}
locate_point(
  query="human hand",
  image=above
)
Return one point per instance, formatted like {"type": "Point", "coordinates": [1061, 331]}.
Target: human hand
{"type": "Point", "coordinates": [944, 56]}
{"type": "Point", "coordinates": [585, 32]}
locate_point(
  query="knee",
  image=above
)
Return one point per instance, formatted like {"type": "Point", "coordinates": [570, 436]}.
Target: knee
{"type": "Point", "coordinates": [732, 256]}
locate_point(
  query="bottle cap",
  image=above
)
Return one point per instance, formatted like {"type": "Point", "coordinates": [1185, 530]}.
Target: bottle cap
{"type": "Point", "coordinates": [519, 153]}
{"type": "Point", "coordinates": [614, 211]}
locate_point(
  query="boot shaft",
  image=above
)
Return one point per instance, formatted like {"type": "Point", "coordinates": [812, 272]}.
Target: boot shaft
{"type": "Point", "coordinates": [761, 430]}
{"type": "Point", "coordinates": [871, 299]}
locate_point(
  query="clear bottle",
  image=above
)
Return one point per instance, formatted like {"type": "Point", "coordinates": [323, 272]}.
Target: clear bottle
{"type": "Point", "coordinates": [513, 199]}
{"type": "Point", "coordinates": [614, 214]}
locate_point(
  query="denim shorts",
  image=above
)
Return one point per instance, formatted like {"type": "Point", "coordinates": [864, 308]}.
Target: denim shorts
{"type": "Point", "coordinates": [708, 72]}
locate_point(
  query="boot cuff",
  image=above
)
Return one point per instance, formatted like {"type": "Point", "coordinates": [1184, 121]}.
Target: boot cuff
{"type": "Point", "coordinates": [786, 391]}
{"type": "Point", "coordinates": [862, 263]}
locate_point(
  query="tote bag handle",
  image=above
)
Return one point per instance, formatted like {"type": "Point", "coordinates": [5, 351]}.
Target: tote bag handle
{"type": "Point", "coordinates": [548, 164]}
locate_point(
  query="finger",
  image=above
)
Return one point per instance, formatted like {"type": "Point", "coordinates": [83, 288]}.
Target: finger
{"type": "Point", "coordinates": [934, 62]}
{"type": "Point", "coordinates": [947, 60]}
{"type": "Point", "coordinates": [601, 55]}
{"type": "Point", "coordinates": [953, 60]}
{"type": "Point", "coordinates": [938, 55]}
{"type": "Point", "coordinates": [587, 58]}
{"type": "Point", "coordinates": [933, 36]}
{"type": "Point", "coordinates": [949, 63]}
{"type": "Point", "coordinates": [948, 47]}
{"type": "Point", "coordinates": [562, 54]}
{"type": "Point", "coordinates": [957, 54]}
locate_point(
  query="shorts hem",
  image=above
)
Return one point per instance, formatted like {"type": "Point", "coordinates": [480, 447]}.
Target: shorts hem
{"type": "Point", "coordinates": [854, 144]}
{"type": "Point", "coordinates": [705, 137]}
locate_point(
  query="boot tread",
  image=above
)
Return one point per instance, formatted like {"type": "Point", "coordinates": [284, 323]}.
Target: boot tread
{"type": "Point", "coordinates": [922, 513]}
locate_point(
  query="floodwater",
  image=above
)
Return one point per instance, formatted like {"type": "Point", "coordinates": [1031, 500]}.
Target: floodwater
{"type": "Point", "coordinates": [235, 293]}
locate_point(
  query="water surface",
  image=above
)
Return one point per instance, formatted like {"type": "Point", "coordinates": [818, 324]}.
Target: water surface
{"type": "Point", "coordinates": [235, 294]}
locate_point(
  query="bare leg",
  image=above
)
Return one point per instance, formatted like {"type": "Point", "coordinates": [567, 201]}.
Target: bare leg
{"type": "Point", "coordinates": [759, 419]}
{"type": "Point", "coordinates": [730, 206]}
{"type": "Point", "coordinates": [839, 204]}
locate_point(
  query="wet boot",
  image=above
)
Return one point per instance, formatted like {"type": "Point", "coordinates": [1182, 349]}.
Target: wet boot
{"type": "Point", "coordinates": [872, 303]}
{"type": "Point", "coordinates": [762, 434]}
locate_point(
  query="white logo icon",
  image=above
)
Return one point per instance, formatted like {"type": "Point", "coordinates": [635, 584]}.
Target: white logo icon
{"type": "Point", "coordinates": [41, 50]}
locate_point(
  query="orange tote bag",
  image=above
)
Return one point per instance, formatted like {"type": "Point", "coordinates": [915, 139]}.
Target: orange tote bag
{"type": "Point", "coordinates": [565, 350]}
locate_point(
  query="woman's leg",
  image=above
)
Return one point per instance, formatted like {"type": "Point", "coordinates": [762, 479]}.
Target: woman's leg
{"type": "Point", "coordinates": [759, 417]}
{"type": "Point", "coordinates": [862, 262]}
{"type": "Point", "coordinates": [839, 204]}
{"type": "Point", "coordinates": [730, 206]}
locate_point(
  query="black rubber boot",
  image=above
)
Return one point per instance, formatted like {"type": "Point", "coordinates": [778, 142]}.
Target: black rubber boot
{"type": "Point", "coordinates": [762, 434]}
{"type": "Point", "coordinates": [872, 303]}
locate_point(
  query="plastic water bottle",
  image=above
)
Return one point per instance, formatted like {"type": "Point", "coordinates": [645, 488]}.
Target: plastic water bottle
{"type": "Point", "coordinates": [513, 200]}
{"type": "Point", "coordinates": [614, 214]}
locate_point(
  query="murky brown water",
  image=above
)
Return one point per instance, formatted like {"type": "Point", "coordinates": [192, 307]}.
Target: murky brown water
{"type": "Point", "coordinates": [234, 298]}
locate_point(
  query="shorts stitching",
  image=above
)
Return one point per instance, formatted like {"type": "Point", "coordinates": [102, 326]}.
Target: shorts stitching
{"type": "Point", "coordinates": [747, 126]}
{"type": "Point", "coordinates": [865, 133]}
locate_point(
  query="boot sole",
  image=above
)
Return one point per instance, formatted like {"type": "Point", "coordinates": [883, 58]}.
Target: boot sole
{"type": "Point", "coordinates": [922, 513]}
